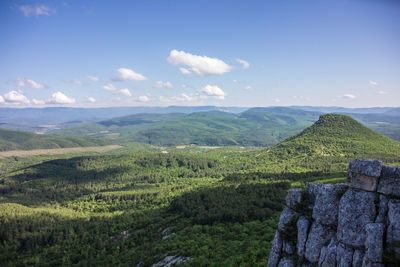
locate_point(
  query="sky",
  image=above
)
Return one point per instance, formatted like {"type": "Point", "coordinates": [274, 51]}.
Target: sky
{"type": "Point", "coordinates": [224, 53]}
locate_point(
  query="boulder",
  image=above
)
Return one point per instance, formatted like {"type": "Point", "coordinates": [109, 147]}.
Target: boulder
{"type": "Point", "coordinates": [327, 257]}
{"type": "Point", "coordinates": [303, 224]}
{"type": "Point", "coordinates": [382, 209]}
{"type": "Point", "coordinates": [393, 230]}
{"type": "Point", "coordinates": [326, 205]}
{"type": "Point", "coordinates": [364, 173]}
{"type": "Point", "coordinates": [344, 255]}
{"type": "Point", "coordinates": [293, 197]}
{"type": "Point", "coordinates": [374, 241]}
{"type": "Point", "coordinates": [286, 215]}
{"type": "Point", "coordinates": [318, 237]}
{"type": "Point", "coordinates": [357, 258]}
{"type": "Point", "coordinates": [389, 182]}
{"type": "Point", "coordinates": [276, 250]}
{"type": "Point", "coordinates": [356, 209]}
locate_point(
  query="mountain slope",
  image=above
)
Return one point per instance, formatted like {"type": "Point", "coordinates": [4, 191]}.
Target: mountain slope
{"type": "Point", "coordinates": [16, 140]}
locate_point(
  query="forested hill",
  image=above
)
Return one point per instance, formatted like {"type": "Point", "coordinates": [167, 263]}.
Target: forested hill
{"type": "Point", "coordinates": [16, 140]}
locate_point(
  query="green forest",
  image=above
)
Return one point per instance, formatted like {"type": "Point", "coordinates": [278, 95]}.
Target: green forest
{"type": "Point", "coordinates": [209, 206]}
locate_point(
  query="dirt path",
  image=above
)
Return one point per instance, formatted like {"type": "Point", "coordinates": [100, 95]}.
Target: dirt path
{"type": "Point", "coordinates": [55, 151]}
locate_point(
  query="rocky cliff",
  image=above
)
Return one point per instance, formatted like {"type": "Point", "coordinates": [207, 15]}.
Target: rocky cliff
{"type": "Point", "coordinates": [352, 224]}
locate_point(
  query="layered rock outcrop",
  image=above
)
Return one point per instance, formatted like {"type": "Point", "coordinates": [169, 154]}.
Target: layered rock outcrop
{"type": "Point", "coordinates": [352, 224]}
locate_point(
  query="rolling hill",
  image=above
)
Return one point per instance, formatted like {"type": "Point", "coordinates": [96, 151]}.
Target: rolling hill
{"type": "Point", "coordinates": [16, 140]}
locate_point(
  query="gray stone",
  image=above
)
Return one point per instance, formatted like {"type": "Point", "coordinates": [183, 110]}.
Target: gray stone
{"type": "Point", "coordinates": [389, 182]}
{"type": "Point", "coordinates": [286, 262]}
{"type": "Point", "coordinates": [363, 182]}
{"type": "Point", "coordinates": [327, 257]}
{"type": "Point", "coordinates": [357, 258]}
{"type": "Point", "coordinates": [374, 241]}
{"type": "Point", "coordinates": [341, 187]}
{"type": "Point", "coordinates": [367, 263]}
{"type": "Point", "coordinates": [356, 209]}
{"type": "Point", "coordinates": [382, 210]}
{"type": "Point", "coordinates": [318, 237]}
{"type": "Point", "coordinates": [393, 230]}
{"type": "Point", "coordinates": [286, 215]}
{"type": "Point", "coordinates": [288, 247]}
{"type": "Point", "coordinates": [293, 197]}
{"type": "Point", "coordinates": [326, 205]}
{"type": "Point", "coordinates": [368, 167]}
{"type": "Point", "coordinates": [276, 250]}
{"type": "Point", "coordinates": [344, 255]}
{"type": "Point", "coordinates": [303, 224]}
{"type": "Point", "coordinates": [313, 191]}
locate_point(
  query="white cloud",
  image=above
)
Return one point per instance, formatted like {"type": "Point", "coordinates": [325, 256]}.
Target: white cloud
{"type": "Point", "coordinates": [248, 87]}
{"type": "Point", "coordinates": [214, 91]}
{"type": "Point", "coordinates": [125, 92]}
{"type": "Point", "coordinates": [143, 98]}
{"type": "Point", "coordinates": [38, 10]}
{"type": "Point", "coordinates": [245, 64]}
{"type": "Point", "coordinates": [109, 87]}
{"type": "Point", "coordinates": [185, 71]}
{"type": "Point", "coordinates": [75, 82]}
{"type": "Point", "coordinates": [276, 100]}
{"type": "Point", "coordinates": [38, 101]}
{"type": "Point", "coordinates": [380, 92]}
{"type": "Point", "coordinates": [28, 83]}
{"type": "Point", "coordinates": [161, 84]}
{"type": "Point", "coordinates": [16, 97]}
{"type": "Point", "coordinates": [60, 98]}
{"type": "Point", "coordinates": [91, 99]}
{"type": "Point", "coordinates": [373, 83]}
{"type": "Point", "coordinates": [128, 74]}
{"type": "Point", "coordinates": [348, 96]}
{"type": "Point", "coordinates": [184, 85]}
{"type": "Point", "coordinates": [93, 78]}
{"type": "Point", "coordinates": [1, 99]}
{"type": "Point", "coordinates": [183, 98]}
{"type": "Point", "coordinates": [201, 65]}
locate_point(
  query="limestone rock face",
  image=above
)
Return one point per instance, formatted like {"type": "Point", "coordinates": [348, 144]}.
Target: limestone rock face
{"type": "Point", "coordinates": [326, 205]}
{"type": "Point", "coordinates": [389, 182]}
{"type": "Point", "coordinates": [344, 255]}
{"type": "Point", "coordinates": [357, 258]}
{"type": "Point", "coordinates": [303, 224]}
{"type": "Point", "coordinates": [318, 237]}
{"type": "Point", "coordinates": [328, 254]}
{"type": "Point", "coordinates": [374, 241]}
{"type": "Point", "coordinates": [363, 174]}
{"type": "Point", "coordinates": [286, 215]}
{"type": "Point", "coordinates": [393, 230]}
{"type": "Point", "coordinates": [356, 209]}
{"type": "Point", "coordinates": [276, 249]}
{"type": "Point", "coordinates": [286, 262]}
{"type": "Point", "coordinates": [382, 209]}
{"type": "Point", "coordinates": [293, 197]}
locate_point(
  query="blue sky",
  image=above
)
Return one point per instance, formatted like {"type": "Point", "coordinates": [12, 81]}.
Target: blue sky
{"type": "Point", "coordinates": [226, 53]}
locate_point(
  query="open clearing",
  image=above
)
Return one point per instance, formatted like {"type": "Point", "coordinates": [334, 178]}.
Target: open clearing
{"type": "Point", "coordinates": [55, 151]}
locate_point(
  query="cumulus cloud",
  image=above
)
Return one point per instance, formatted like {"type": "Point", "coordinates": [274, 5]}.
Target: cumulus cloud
{"type": "Point", "coordinates": [128, 74]}
{"type": "Point", "coordinates": [75, 82]}
{"type": "Point", "coordinates": [38, 101]}
{"type": "Point", "coordinates": [161, 84]}
{"type": "Point", "coordinates": [200, 65]}
{"type": "Point", "coordinates": [213, 91]}
{"type": "Point", "coordinates": [245, 64]}
{"type": "Point", "coordinates": [28, 83]}
{"type": "Point", "coordinates": [143, 98]}
{"type": "Point", "coordinates": [185, 71]}
{"type": "Point", "coordinates": [60, 98]}
{"type": "Point", "coordinates": [380, 92]}
{"type": "Point", "coordinates": [125, 92]}
{"type": "Point", "coordinates": [373, 83]}
{"type": "Point", "coordinates": [16, 97]}
{"type": "Point", "coordinates": [37, 10]}
{"type": "Point", "coordinates": [93, 78]}
{"type": "Point", "coordinates": [248, 87]}
{"type": "Point", "coordinates": [1, 99]}
{"type": "Point", "coordinates": [91, 99]}
{"type": "Point", "coordinates": [109, 87]}
{"type": "Point", "coordinates": [183, 98]}
{"type": "Point", "coordinates": [348, 96]}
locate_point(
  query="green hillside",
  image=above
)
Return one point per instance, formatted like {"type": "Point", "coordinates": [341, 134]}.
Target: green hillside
{"type": "Point", "coordinates": [129, 208]}
{"type": "Point", "coordinates": [16, 140]}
